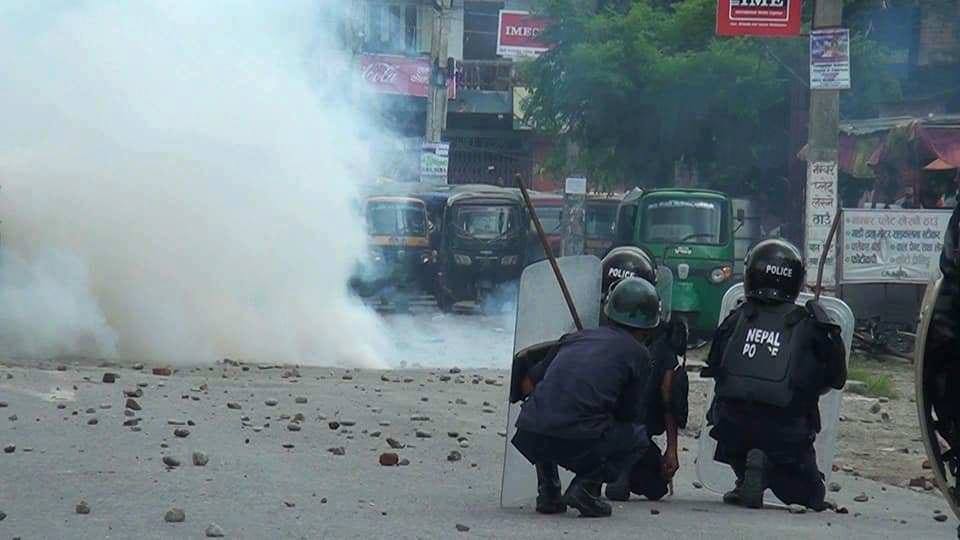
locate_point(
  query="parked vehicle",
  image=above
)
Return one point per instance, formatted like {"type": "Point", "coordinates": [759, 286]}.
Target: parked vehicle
{"type": "Point", "coordinates": [600, 225]}
{"type": "Point", "coordinates": [693, 233]}
{"type": "Point", "coordinates": [483, 243]}
{"type": "Point", "coordinates": [549, 207]}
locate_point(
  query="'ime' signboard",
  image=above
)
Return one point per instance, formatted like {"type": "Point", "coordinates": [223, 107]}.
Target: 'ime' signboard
{"type": "Point", "coordinates": [777, 18]}
{"type": "Point", "coordinates": [520, 36]}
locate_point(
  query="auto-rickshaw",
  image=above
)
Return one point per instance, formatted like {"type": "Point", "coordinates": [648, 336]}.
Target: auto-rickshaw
{"type": "Point", "coordinates": [401, 260]}
{"type": "Point", "coordinates": [483, 245]}
{"type": "Point", "coordinates": [692, 231]}
{"type": "Point", "coordinates": [599, 226]}
{"type": "Point", "coordinates": [549, 207]}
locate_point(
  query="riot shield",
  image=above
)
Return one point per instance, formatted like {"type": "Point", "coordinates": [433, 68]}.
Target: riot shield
{"type": "Point", "coordinates": [665, 290]}
{"type": "Point", "coordinates": [933, 349]}
{"type": "Point", "coordinates": [542, 317]}
{"type": "Point", "coordinates": [719, 477]}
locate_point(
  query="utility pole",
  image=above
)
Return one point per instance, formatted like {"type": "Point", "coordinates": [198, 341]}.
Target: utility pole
{"type": "Point", "coordinates": [437, 98]}
{"type": "Point", "coordinates": [822, 154]}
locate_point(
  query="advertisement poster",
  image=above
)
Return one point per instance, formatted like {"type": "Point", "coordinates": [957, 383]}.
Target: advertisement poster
{"type": "Point", "coordinates": [821, 208]}
{"type": "Point", "coordinates": [830, 59]}
{"type": "Point", "coordinates": [402, 75]}
{"type": "Point", "coordinates": [887, 246]}
{"type": "Point", "coordinates": [519, 35]}
{"type": "Point", "coordinates": [771, 18]}
{"type": "Point", "coordinates": [434, 160]}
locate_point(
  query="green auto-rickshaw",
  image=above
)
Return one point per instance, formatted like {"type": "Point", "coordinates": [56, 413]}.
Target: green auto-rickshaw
{"type": "Point", "coordinates": [692, 232]}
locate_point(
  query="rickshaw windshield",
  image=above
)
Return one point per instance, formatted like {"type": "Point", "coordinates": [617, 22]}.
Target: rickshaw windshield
{"type": "Point", "coordinates": [600, 220]}
{"type": "Point", "coordinates": [692, 221]}
{"type": "Point", "coordinates": [549, 218]}
{"type": "Point", "coordinates": [485, 222]}
{"type": "Point", "coordinates": [392, 219]}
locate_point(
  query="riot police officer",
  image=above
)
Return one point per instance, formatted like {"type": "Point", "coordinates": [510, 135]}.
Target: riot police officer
{"type": "Point", "coordinates": [771, 360]}
{"type": "Point", "coordinates": [652, 472]}
{"type": "Point", "coordinates": [585, 411]}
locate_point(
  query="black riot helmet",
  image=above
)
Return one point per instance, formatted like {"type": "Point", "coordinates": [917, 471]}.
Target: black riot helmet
{"type": "Point", "coordinates": [773, 271]}
{"type": "Point", "coordinates": [624, 262]}
{"type": "Point", "coordinates": [633, 303]}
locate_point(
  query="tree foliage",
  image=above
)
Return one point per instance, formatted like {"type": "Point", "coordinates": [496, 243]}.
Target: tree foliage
{"type": "Point", "coordinates": [639, 85]}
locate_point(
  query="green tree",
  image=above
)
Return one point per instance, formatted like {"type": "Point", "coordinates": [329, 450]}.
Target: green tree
{"type": "Point", "coordinates": [639, 85]}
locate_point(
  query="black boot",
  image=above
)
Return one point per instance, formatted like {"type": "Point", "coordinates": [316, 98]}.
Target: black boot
{"type": "Point", "coordinates": [549, 498]}
{"type": "Point", "coordinates": [584, 495]}
{"type": "Point", "coordinates": [754, 479]}
{"type": "Point", "coordinates": [620, 489]}
{"type": "Point", "coordinates": [735, 495]}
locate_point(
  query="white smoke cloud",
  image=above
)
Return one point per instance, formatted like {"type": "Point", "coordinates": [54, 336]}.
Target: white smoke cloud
{"type": "Point", "coordinates": [177, 180]}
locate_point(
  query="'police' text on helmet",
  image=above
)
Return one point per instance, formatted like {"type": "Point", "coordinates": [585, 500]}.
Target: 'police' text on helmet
{"type": "Point", "coordinates": [773, 271]}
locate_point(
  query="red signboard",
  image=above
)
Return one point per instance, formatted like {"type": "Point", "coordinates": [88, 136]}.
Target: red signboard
{"type": "Point", "coordinates": [520, 34]}
{"type": "Point", "coordinates": [403, 75]}
{"type": "Point", "coordinates": [758, 18]}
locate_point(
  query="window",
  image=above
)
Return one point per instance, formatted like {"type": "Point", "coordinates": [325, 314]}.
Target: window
{"type": "Point", "coordinates": [693, 221]}
{"type": "Point", "coordinates": [390, 28]}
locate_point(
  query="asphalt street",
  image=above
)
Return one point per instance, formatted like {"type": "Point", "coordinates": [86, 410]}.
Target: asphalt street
{"type": "Point", "coordinates": [272, 474]}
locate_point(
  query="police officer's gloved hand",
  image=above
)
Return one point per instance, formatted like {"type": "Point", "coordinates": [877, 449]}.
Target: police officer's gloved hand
{"type": "Point", "coordinates": [817, 313]}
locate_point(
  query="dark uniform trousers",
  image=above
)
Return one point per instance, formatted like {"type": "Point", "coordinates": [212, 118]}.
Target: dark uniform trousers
{"type": "Point", "coordinates": [792, 473]}
{"type": "Point", "coordinates": [646, 475]}
{"type": "Point", "coordinates": [595, 459]}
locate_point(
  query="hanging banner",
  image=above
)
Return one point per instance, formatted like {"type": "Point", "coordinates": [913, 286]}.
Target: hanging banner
{"type": "Point", "coordinates": [821, 208]}
{"type": "Point", "coordinates": [830, 59]}
{"type": "Point", "coordinates": [771, 18]}
{"type": "Point", "coordinates": [434, 161]}
{"type": "Point", "coordinates": [519, 35]}
{"type": "Point", "coordinates": [887, 246]}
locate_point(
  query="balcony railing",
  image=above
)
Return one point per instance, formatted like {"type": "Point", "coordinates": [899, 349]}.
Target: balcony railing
{"type": "Point", "coordinates": [497, 75]}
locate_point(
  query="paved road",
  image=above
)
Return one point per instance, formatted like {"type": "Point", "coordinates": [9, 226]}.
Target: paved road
{"type": "Point", "coordinates": [253, 487]}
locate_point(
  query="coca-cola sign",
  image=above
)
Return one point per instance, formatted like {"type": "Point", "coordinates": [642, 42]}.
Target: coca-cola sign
{"type": "Point", "coordinates": [404, 75]}
{"type": "Point", "coordinates": [520, 34]}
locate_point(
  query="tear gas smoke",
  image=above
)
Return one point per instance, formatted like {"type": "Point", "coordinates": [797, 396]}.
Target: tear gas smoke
{"type": "Point", "coordinates": [177, 180]}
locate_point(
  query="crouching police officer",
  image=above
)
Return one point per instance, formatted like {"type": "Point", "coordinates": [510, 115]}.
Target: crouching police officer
{"type": "Point", "coordinates": [772, 360]}
{"type": "Point", "coordinates": [653, 470]}
{"type": "Point", "coordinates": [585, 412]}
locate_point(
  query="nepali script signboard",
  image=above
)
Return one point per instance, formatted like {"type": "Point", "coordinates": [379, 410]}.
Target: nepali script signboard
{"type": "Point", "coordinates": [891, 246]}
{"type": "Point", "coordinates": [821, 208]}
{"type": "Point", "coordinates": [771, 18]}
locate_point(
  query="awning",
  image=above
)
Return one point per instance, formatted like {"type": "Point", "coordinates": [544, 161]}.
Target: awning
{"type": "Point", "coordinates": [932, 143]}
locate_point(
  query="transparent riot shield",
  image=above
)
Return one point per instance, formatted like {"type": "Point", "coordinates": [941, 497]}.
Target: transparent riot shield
{"type": "Point", "coordinates": [542, 317]}
{"type": "Point", "coordinates": [932, 350]}
{"type": "Point", "coordinates": [718, 477]}
{"type": "Point", "coordinates": [665, 290]}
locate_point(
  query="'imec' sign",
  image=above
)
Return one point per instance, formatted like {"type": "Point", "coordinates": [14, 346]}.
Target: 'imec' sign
{"type": "Point", "coordinates": [758, 17]}
{"type": "Point", "coordinates": [520, 35]}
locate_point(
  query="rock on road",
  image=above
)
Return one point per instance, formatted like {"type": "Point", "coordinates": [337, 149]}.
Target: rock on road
{"type": "Point", "coordinates": [263, 480]}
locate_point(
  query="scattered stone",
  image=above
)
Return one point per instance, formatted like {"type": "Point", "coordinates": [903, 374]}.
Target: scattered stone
{"type": "Point", "coordinates": [926, 465]}
{"type": "Point", "coordinates": [384, 423]}
{"type": "Point", "coordinates": [395, 444]}
{"type": "Point", "coordinates": [488, 410]}
{"type": "Point", "coordinates": [444, 378]}
{"type": "Point", "coordinates": [299, 417]}
{"type": "Point", "coordinates": [131, 422]}
{"type": "Point", "coordinates": [234, 405]}
{"type": "Point", "coordinates": [90, 410]}
{"type": "Point", "coordinates": [454, 455]}
{"type": "Point", "coordinates": [842, 510]}
{"type": "Point", "coordinates": [347, 377]}
{"type": "Point", "coordinates": [137, 367]}
{"type": "Point", "coordinates": [162, 371]}
{"type": "Point", "coordinates": [271, 403]}
{"type": "Point", "coordinates": [453, 434]}
{"type": "Point", "coordinates": [9, 449]}
{"type": "Point", "coordinates": [175, 515]}
{"type": "Point", "coordinates": [697, 485]}
{"type": "Point", "coordinates": [462, 528]}
{"type": "Point", "coordinates": [861, 498]}
{"type": "Point", "coordinates": [885, 418]}
{"type": "Point", "coordinates": [2, 516]}
{"type": "Point", "coordinates": [12, 418]}
{"type": "Point", "coordinates": [133, 405]}
{"type": "Point", "coordinates": [918, 482]}
{"type": "Point", "coordinates": [423, 434]}
{"type": "Point", "coordinates": [424, 399]}
{"type": "Point", "coordinates": [337, 450]}
{"type": "Point", "coordinates": [175, 422]}
{"type": "Point", "coordinates": [334, 425]}
{"type": "Point", "coordinates": [404, 462]}
{"type": "Point", "coordinates": [300, 400]}
{"type": "Point", "coordinates": [290, 504]}
{"type": "Point", "coordinates": [348, 423]}
{"type": "Point", "coordinates": [288, 446]}
{"type": "Point", "coordinates": [135, 392]}
{"type": "Point", "coordinates": [61, 406]}
{"type": "Point", "coordinates": [213, 531]}
{"type": "Point", "coordinates": [375, 434]}
{"type": "Point", "coordinates": [847, 468]}
{"type": "Point", "coordinates": [654, 512]}
{"type": "Point", "coordinates": [455, 370]}
{"type": "Point", "coordinates": [83, 508]}
{"type": "Point", "coordinates": [419, 418]}
{"type": "Point", "coordinates": [109, 378]}
{"type": "Point", "coordinates": [389, 459]}
{"type": "Point", "coordinates": [834, 487]}
{"type": "Point", "coordinates": [875, 408]}
{"type": "Point", "coordinates": [940, 517]}
{"type": "Point", "coordinates": [182, 433]}
{"type": "Point", "coordinates": [293, 426]}
{"type": "Point", "coordinates": [4, 404]}
{"type": "Point", "coordinates": [93, 421]}
{"type": "Point", "coordinates": [171, 461]}
{"type": "Point", "coordinates": [461, 401]}
{"type": "Point", "coordinates": [797, 509]}
{"type": "Point", "coordinates": [200, 459]}
{"type": "Point", "coordinates": [464, 443]}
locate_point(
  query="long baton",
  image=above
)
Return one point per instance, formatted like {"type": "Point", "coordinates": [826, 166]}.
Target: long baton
{"type": "Point", "coordinates": [549, 252]}
{"type": "Point", "coordinates": [826, 251]}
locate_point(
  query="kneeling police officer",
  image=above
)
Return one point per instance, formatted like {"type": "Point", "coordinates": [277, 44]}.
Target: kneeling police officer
{"type": "Point", "coordinates": [771, 360]}
{"type": "Point", "coordinates": [585, 411]}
